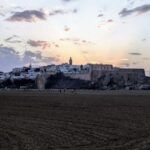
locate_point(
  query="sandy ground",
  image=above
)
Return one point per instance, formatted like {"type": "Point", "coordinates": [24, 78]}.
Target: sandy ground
{"type": "Point", "coordinates": [80, 120]}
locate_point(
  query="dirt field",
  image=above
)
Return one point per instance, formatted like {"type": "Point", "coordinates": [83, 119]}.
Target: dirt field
{"type": "Point", "coordinates": [36, 120]}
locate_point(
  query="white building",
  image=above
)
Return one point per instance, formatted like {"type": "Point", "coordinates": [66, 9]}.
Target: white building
{"type": "Point", "coordinates": [25, 73]}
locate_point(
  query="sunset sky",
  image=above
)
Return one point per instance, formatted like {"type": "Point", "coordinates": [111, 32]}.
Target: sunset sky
{"type": "Point", "coordinates": [91, 31]}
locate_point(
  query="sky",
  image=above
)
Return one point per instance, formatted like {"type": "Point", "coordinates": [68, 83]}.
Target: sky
{"type": "Point", "coordinates": [90, 31]}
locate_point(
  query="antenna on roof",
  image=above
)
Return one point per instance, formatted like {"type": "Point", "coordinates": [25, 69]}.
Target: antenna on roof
{"type": "Point", "coordinates": [30, 66]}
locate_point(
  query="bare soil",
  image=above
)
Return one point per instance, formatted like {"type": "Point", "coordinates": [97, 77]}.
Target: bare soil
{"type": "Point", "coordinates": [36, 120]}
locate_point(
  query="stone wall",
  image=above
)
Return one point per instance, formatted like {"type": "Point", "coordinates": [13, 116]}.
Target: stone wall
{"type": "Point", "coordinates": [135, 76]}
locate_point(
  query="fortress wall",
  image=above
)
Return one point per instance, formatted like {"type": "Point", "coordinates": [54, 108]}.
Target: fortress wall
{"type": "Point", "coordinates": [133, 75]}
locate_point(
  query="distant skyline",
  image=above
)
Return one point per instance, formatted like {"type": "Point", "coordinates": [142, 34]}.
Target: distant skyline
{"type": "Point", "coordinates": [90, 31]}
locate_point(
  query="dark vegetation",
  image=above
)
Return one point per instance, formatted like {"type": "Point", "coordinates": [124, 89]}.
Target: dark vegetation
{"type": "Point", "coordinates": [59, 81]}
{"type": "Point", "coordinates": [17, 84]}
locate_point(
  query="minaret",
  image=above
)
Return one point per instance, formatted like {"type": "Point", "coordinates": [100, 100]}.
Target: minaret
{"type": "Point", "coordinates": [70, 61]}
{"type": "Point", "coordinates": [30, 66]}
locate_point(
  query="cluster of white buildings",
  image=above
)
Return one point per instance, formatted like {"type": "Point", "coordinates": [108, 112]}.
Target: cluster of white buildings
{"type": "Point", "coordinates": [32, 73]}
{"type": "Point", "coordinates": [21, 73]}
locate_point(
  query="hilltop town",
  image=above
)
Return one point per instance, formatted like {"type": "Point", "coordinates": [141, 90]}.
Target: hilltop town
{"type": "Point", "coordinates": [98, 76]}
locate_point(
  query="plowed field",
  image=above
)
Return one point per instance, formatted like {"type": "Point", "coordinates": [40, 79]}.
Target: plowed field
{"type": "Point", "coordinates": [74, 121]}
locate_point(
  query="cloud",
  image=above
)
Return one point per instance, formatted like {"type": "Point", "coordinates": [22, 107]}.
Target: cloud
{"type": "Point", "coordinates": [56, 45]}
{"type": "Point", "coordinates": [100, 15]}
{"type": "Point", "coordinates": [10, 58]}
{"type": "Point", "coordinates": [7, 50]}
{"type": "Point", "coordinates": [66, 1]}
{"type": "Point", "coordinates": [124, 64]}
{"type": "Point", "coordinates": [85, 52]}
{"type": "Point", "coordinates": [5, 9]}
{"type": "Point", "coordinates": [135, 63]}
{"type": "Point", "coordinates": [130, 2]}
{"type": "Point", "coordinates": [146, 58]}
{"type": "Point", "coordinates": [124, 59]}
{"type": "Point", "coordinates": [27, 16]}
{"type": "Point", "coordinates": [105, 23]}
{"type": "Point", "coordinates": [144, 39]}
{"type": "Point", "coordinates": [110, 21]}
{"type": "Point", "coordinates": [1, 10]}
{"type": "Point", "coordinates": [66, 29]}
{"type": "Point", "coordinates": [62, 12]}
{"type": "Point", "coordinates": [37, 58]}
{"type": "Point", "coordinates": [43, 44]}
{"type": "Point", "coordinates": [135, 54]}
{"type": "Point", "coordinates": [29, 54]}
{"type": "Point", "coordinates": [138, 10]}
{"type": "Point", "coordinates": [13, 39]}
{"type": "Point", "coordinates": [76, 41]}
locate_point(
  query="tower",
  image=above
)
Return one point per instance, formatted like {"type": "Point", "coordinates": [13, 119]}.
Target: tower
{"type": "Point", "coordinates": [30, 66]}
{"type": "Point", "coordinates": [70, 61]}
